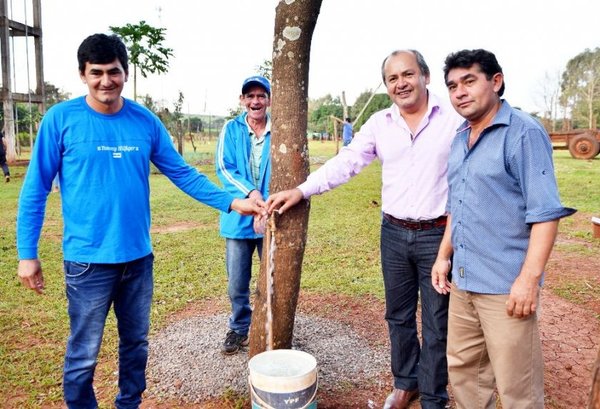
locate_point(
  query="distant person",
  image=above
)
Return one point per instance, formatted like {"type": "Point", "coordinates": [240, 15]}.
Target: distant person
{"type": "Point", "coordinates": [243, 165]}
{"type": "Point", "coordinates": [503, 217]}
{"type": "Point", "coordinates": [55, 184]}
{"type": "Point", "coordinates": [3, 163]}
{"type": "Point", "coordinates": [347, 132]}
{"type": "Point", "coordinates": [103, 145]}
{"type": "Point", "coordinates": [412, 141]}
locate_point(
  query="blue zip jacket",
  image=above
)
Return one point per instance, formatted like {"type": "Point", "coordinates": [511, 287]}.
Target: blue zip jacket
{"type": "Point", "coordinates": [232, 163]}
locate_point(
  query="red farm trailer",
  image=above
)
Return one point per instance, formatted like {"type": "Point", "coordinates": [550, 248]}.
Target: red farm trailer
{"type": "Point", "coordinates": [581, 143]}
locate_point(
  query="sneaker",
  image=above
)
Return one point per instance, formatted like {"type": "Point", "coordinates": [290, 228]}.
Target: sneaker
{"type": "Point", "coordinates": [7, 178]}
{"type": "Point", "coordinates": [233, 342]}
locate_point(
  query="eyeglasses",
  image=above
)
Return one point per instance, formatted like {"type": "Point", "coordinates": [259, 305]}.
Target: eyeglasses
{"type": "Point", "coordinates": [261, 97]}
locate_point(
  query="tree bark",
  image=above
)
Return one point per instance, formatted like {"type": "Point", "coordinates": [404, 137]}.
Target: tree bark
{"type": "Point", "coordinates": [294, 25]}
{"type": "Point", "coordinates": [595, 393]}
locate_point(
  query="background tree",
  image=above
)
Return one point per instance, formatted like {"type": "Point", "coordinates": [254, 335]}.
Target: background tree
{"type": "Point", "coordinates": [149, 103]}
{"type": "Point", "coordinates": [377, 103]}
{"type": "Point", "coordinates": [265, 69]}
{"type": "Point", "coordinates": [146, 50]}
{"type": "Point", "coordinates": [233, 112]}
{"type": "Point", "coordinates": [320, 111]}
{"type": "Point", "coordinates": [294, 26]}
{"type": "Point", "coordinates": [549, 93]}
{"type": "Point", "coordinates": [580, 88]}
{"type": "Point", "coordinates": [195, 124]}
{"type": "Point", "coordinates": [54, 95]}
{"type": "Point", "coordinates": [177, 129]}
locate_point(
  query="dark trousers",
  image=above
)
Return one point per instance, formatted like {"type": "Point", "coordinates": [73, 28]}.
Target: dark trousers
{"type": "Point", "coordinates": [3, 165]}
{"type": "Point", "coordinates": [407, 257]}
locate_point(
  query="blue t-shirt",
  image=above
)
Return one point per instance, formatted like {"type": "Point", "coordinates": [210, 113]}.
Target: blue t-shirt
{"type": "Point", "coordinates": [347, 133]}
{"type": "Point", "coordinates": [103, 163]}
{"type": "Point", "coordinates": [498, 188]}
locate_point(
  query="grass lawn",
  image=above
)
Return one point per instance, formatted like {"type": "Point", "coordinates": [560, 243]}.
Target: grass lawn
{"type": "Point", "coordinates": [342, 256]}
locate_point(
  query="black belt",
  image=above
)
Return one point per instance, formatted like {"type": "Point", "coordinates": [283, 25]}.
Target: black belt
{"type": "Point", "coordinates": [417, 224]}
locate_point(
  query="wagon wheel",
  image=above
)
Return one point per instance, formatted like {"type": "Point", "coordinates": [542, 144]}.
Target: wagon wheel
{"type": "Point", "coordinates": [584, 146]}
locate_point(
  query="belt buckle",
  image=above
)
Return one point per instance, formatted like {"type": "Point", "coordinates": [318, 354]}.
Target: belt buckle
{"type": "Point", "coordinates": [414, 224]}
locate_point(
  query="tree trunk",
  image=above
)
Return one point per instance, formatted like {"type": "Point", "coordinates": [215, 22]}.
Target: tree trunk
{"type": "Point", "coordinates": [335, 136]}
{"type": "Point", "coordinates": [595, 393]}
{"type": "Point", "coordinates": [294, 25]}
{"type": "Point", "coordinates": [135, 82]}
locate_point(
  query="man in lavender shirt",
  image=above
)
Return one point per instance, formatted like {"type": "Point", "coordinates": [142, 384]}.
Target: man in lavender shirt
{"type": "Point", "coordinates": [412, 141]}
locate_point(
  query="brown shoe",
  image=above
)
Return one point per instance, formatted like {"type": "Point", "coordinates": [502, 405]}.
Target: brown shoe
{"type": "Point", "coordinates": [400, 399]}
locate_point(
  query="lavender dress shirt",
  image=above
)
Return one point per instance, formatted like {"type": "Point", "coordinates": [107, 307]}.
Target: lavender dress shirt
{"type": "Point", "coordinates": [414, 166]}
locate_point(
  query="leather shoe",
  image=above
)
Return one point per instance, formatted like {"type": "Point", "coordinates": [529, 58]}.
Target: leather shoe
{"type": "Point", "coordinates": [400, 399]}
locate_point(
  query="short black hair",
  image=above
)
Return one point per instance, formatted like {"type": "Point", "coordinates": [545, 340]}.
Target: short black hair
{"type": "Point", "coordinates": [467, 58]}
{"type": "Point", "coordinates": [102, 49]}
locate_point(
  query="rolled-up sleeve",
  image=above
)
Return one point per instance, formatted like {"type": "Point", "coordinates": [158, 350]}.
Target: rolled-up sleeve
{"type": "Point", "coordinates": [532, 164]}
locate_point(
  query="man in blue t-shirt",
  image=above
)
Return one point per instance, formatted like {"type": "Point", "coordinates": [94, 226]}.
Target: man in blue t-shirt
{"type": "Point", "coordinates": [101, 146]}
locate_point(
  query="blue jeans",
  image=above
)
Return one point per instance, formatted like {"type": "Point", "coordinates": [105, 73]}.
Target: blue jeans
{"type": "Point", "coordinates": [91, 290]}
{"type": "Point", "coordinates": [406, 258]}
{"type": "Point", "coordinates": [238, 260]}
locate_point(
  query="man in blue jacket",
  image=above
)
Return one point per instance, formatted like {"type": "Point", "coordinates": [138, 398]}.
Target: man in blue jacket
{"type": "Point", "coordinates": [101, 146]}
{"type": "Point", "coordinates": [244, 168]}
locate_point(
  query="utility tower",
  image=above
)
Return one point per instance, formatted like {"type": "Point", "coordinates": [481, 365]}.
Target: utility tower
{"type": "Point", "coordinates": [10, 29]}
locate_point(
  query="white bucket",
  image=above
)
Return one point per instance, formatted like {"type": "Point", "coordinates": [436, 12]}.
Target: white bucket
{"type": "Point", "coordinates": [283, 379]}
{"type": "Point", "coordinates": [596, 227]}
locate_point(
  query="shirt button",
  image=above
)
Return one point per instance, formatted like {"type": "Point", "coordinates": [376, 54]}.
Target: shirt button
{"type": "Point", "coordinates": [461, 271]}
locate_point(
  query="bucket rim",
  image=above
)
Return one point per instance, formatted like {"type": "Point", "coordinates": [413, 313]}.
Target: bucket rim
{"type": "Point", "coordinates": [266, 381]}
{"type": "Point", "coordinates": [263, 355]}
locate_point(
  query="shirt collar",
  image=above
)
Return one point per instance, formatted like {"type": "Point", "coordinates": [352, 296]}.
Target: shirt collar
{"type": "Point", "coordinates": [267, 126]}
{"type": "Point", "coordinates": [502, 117]}
{"type": "Point", "coordinates": [433, 105]}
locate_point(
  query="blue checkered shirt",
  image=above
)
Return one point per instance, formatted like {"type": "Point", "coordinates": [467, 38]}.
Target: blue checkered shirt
{"type": "Point", "coordinates": [498, 189]}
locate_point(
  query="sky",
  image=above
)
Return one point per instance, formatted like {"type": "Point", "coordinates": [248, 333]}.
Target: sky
{"type": "Point", "coordinates": [217, 44]}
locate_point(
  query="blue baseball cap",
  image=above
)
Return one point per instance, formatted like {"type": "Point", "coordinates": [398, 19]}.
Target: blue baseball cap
{"type": "Point", "coordinates": [256, 80]}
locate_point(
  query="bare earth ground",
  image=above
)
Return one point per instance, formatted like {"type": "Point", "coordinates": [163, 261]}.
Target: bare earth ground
{"type": "Point", "coordinates": [570, 337]}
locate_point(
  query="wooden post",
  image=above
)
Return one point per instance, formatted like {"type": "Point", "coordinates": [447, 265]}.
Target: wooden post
{"type": "Point", "coordinates": [335, 136]}
{"type": "Point", "coordinates": [344, 106]}
{"type": "Point", "coordinates": [362, 111]}
{"type": "Point", "coordinates": [7, 97]}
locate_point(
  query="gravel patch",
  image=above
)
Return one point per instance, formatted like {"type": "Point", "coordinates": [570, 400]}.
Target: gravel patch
{"type": "Point", "coordinates": [185, 361]}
